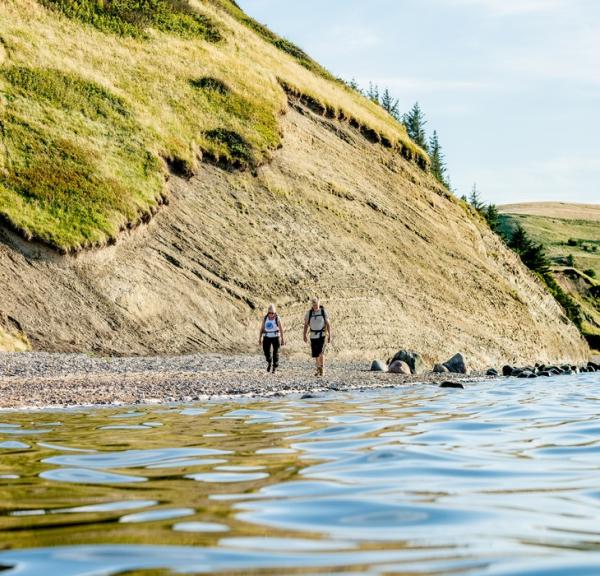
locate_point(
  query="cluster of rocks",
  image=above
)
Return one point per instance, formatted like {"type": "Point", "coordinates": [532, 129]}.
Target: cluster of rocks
{"type": "Point", "coordinates": [409, 362]}
{"type": "Point", "coordinates": [543, 370]}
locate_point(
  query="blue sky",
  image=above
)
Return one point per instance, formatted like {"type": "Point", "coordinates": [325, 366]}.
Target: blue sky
{"type": "Point", "coordinates": [511, 86]}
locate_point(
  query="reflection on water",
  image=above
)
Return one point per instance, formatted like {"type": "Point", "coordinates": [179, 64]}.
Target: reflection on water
{"type": "Point", "coordinates": [500, 478]}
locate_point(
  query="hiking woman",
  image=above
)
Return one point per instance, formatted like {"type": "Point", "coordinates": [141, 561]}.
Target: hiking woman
{"type": "Point", "coordinates": [316, 319]}
{"type": "Point", "coordinates": [271, 334]}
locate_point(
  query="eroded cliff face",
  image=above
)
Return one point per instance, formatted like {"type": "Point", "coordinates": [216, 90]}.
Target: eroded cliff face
{"type": "Point", "coordinates": [397, 262]}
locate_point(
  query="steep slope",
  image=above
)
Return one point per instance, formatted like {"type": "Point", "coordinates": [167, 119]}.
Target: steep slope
{"type": "Point", "coordinates": [339, 204]}
{"type": "Point", "coordinates": [570, 233]}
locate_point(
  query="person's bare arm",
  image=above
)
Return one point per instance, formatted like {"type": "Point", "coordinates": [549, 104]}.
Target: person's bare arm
{"type": "Point", "coordinates": [281, 331]}
{"type": "Point", "coordinates": [328, 328]}
{"type": "Point", "coordinates": [305, 330]}
{"type": "Point", "coordinates": [262, 331]}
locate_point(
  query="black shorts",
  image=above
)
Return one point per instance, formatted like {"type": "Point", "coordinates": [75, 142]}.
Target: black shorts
{"type": "Point", "coordinates": [317, 346]}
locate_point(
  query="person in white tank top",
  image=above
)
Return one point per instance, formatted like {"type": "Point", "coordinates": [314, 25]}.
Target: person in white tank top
{"type": "Point", "coordinates": [271, 337]}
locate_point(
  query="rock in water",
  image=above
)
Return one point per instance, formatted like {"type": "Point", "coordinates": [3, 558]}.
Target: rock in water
{"type": "Point", "coordinates": [449, 384]}
{"type": "Point", "coordinates": [413, 359]}
{"type": "Point", "coordinates": [440, 369]}
{"type": "Point", "coordinates": [456, 364]}
{"type": "Point", "coordinates": [399, 367]}
{"type": "Point", "coordinates": [492, 372]}
{"type": "Point", "coordinates": [507, 370]}
{"type": "Point", "coordinates": [378, 366]}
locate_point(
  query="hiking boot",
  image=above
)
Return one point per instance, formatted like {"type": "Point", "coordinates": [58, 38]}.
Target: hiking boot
{"type": "Point", "coordinates": [274, 368]}
{"type": "Point", "coordinates": [269, 367]}
{"type": "Point", "coordinates": [319, 371]}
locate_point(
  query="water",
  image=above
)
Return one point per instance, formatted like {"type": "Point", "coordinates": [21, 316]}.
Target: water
{"type": "Point", "coordinates": [500, 478]}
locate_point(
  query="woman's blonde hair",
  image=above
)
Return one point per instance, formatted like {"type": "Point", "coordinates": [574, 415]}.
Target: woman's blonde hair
{"type": "Point", "coordinates": [271, 308]}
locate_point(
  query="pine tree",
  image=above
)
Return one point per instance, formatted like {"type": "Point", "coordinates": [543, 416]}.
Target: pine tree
{"type": "Point", "coordinates": [390, 104]}
{"type": "Point", "coordinates": [353, 84]}
{"type": "Point", "coordinates": [475, 199]}
{"type": "Point", "coordinates": [438, 165]}
{"type": "Point", "coordinates": [493, 218]}
{"type": "Point", "coordinates": [373, 93]}
{"type": "Point", "coordinates": [414, 120]}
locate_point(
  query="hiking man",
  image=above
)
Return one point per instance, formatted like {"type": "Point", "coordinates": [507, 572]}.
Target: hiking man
{"type": "Point", "coordinates": [316, 319]}
{"type": "Point", "coordinates": [271, 334]}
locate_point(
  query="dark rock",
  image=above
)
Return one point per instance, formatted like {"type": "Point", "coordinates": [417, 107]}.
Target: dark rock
{"type": "Point", "coordinates": [544, 373]}
{"type": "Point", "coordinates": [399, 367]}
{"type": "Point", "coordinates": [307, 396]}
{"type": "Point", "coordinates": [456, 364]}
{"type": "Point", "coordinates": [440, 369]}
{"type": "Point", "coordinates": [516, 372]}
{"type": "Point", "coordinates": [413, 359]}
{"type": "Point", "coordinates": [492, 372]}
{"type": "Point", "coordinates": [378, 366]}
{"type": "Point", "coordinates": [527, 374]}
{"type": "Point", "coordinates": [507, 370]}
{"type": "Point", "coordinates": [450, 384]}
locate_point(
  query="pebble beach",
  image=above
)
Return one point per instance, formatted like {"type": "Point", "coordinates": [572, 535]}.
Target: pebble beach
{"type": "Point", "coordinates": [43, 380]}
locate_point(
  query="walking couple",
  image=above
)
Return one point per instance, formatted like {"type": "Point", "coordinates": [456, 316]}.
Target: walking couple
{"type": "Point", "coordinates": [315, 321]}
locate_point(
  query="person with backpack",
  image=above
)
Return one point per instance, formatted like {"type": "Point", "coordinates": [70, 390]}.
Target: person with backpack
{"type": "Point", "coordinates": [317, 321]}
{"type": "Point", "coordinates": [271, 335]}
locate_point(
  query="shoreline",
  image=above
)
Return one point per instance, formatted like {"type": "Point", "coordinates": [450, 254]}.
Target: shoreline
{"type": "Point", "coordinates": [50, 380]}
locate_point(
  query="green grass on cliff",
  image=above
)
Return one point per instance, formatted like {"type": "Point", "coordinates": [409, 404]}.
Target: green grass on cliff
{"type": "Point", "coordinates": [563, 238]}
{"type": "Point", "coordinates": [99, 98]}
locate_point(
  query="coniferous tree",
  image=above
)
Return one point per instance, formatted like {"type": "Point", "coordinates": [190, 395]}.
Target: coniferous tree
{"type": "Point", "coordinates": [354, 85]}
{"type": "Point", "coordinates": [390, 104]}
{"type": "Point", "coordinates": [438, 165]}
{"type": "Point", "coordinates": [414, 120]}
{"type": "Point", "coordinates": [475, 199]}
{"type": "Point", "coordinates": [492, 216]}
{"type": "Point", "coordinates": [373, 93]}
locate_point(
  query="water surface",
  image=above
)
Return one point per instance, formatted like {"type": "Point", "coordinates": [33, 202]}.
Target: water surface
{"type": "Point", "coordinates": [500, 478]}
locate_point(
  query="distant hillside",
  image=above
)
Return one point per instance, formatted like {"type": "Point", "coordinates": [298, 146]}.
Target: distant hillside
{"type": "Point", "coordinates": [570, 234]}
{"type": "Point", "coordinates": [168, 168]}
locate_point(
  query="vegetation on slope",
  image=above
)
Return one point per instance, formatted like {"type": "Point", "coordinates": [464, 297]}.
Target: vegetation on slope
{"type": "Point", "coordinates": [571, 263]}
{"type": "Point", "coordinates": [88, 112]}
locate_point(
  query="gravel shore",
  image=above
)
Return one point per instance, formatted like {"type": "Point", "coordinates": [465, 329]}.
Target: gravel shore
{"type": "Point", "coordinates": [37, 379]}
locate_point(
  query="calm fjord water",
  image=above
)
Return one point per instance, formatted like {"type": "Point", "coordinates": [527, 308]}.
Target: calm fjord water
{"type": "Point", "coordinates": [500, 478]}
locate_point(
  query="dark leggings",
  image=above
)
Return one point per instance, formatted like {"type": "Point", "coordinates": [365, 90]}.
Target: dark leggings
{"type": "Point", "coordinates": [276, 344]}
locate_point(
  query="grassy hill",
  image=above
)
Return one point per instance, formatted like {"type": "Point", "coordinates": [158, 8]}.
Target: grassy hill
{"type": "Point", "coordinates": [99, 101]}
{"type": "Point", "coordinates": [168, 168]}
{"type": "Point", "coordinates": [570, 234]}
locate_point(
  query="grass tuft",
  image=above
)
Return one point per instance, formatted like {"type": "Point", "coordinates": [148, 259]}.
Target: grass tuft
{"type": "Point", "coordinates": [231, 148]}
{"type": "Point", "coordinates": [134, 17]}
{"type": "Point", "coordinates": [211, 84]}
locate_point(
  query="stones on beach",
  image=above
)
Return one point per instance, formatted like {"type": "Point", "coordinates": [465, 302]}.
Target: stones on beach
{"type": "Point", "coordinates": [450, 384]}
{"type": "Point", "coordinates": [412, 359]}
{"type": "Point", "coordinates": [399, 367]}
{"type": "Point", "coordinates": [507, 370]}
{"type": "Point", "coordinates": [440, 369]}
{"type": "Point", "coordinates": [456, 364]}
{"type": "Point", "coordinates": [378, 366]}
{"type": "Point", "coordinates": [491, 372]}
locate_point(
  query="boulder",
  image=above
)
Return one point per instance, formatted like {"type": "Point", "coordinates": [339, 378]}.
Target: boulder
{"type": "Point", "coordinates": [413, 359]}
{"type": "Point", "coordinates": [491, 372]}
{"type": "Point", "coordinates": [456, 364]}
{"type": "Point", "coordinates": [399, 367]}
{"type": "Point", "coordinates": [544, 373]}
{"type": "Point", "coordinates": [450, 384]}
{"type": "Point", "coordinates": [378, 366]}
{"type": "Point", "coordinates": [507, 370]}
{"type": "Point", "coordinates": [440, 369]}
{"type": "Point", "coordinates": [517, 372]}
{"type": "Point", "coordinates": [527, 374]}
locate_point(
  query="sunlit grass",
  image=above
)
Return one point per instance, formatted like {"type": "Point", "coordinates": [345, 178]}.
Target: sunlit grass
{"type": "Point", "coordinates": [89, 113]}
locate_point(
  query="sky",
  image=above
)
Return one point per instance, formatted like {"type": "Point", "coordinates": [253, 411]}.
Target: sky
{"type": "Point", "coordinates": [511, 86]}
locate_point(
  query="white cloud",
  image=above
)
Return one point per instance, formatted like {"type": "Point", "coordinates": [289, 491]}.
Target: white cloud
{"type": "Point", "coordinates": [512, 7]}
{"type": "Point", "coordinates": [419, 85]}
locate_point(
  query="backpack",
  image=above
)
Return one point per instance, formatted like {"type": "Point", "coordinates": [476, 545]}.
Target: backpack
{"type": "Point", "coordinates": [311, 313]}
